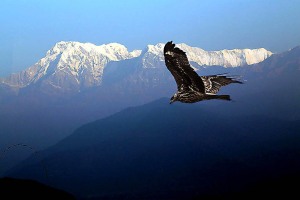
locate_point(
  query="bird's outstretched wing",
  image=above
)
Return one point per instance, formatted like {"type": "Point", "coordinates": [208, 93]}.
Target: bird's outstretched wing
{"type": "Point", "coordinates": [178, 64]}
{"type": "Point", "coordinates": [215, 82]}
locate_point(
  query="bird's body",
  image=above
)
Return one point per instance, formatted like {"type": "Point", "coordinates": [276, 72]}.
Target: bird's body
{"type": "Point", "coordinates": [191, 87]}
{"type": "Point", "coordinates": [192, 96]}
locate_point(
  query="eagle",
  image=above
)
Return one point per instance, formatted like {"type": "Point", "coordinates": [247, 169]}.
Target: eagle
{"type": "Point", "coordinates": [191, 87]}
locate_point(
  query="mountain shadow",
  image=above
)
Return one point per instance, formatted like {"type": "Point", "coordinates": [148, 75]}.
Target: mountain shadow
{"type": "Point", "coordinates": [11, 188]}
{"type": "Point", "coordinates": [180, 151]}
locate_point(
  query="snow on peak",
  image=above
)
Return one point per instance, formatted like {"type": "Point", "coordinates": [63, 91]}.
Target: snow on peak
{"type": "Point", "coordinates": [135, 53]}
{"type": "Point", "coordinates": [76, 55]}
{"type": "Point", "coordinates": [83, 63]}
{"type": "Point", "coordinates": [70, 64]}
{"type": "Point", "coordinates": [114, 51]}
{"type": "Point", "coordinates": [226, 58]}
{"type": "Point", "coordinates": [152, 54]}
{"type": "Point", "coordinates": [154, 49]}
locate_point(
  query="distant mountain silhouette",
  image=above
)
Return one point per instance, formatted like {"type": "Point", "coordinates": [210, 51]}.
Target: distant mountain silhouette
{"type": "Point", "coordinates": [41, 120]}
{"type": "Point", "coordinates": [11, 188]}
{"type": "Point", "coordinates": [162, 151]}
{"type": "Point", "coordinates": [270, 87]}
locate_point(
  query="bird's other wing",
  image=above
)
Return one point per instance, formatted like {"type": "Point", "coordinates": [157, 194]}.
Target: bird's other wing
{"type": "Point", "coordinates": [215, 82]}
{"type": "Point", "coordinates": [178, 64]}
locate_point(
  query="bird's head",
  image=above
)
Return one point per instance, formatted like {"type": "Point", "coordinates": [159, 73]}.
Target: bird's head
{"type": "Point", "coordinates": [174, 98]}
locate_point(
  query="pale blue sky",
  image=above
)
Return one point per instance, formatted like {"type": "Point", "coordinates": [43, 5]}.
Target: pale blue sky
{"type": "Point", "coordinates": [28, 28]}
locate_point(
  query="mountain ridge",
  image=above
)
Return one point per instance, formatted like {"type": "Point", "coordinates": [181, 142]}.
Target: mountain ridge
{"type": "Point", "coordinates": [158, 147]}
{"type": "Point", "coordinates": [73, 66]}
{"type": "Point", "coordinates": [37, 119]}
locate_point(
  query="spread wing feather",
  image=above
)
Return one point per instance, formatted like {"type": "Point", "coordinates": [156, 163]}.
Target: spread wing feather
{"type": "Point", "coordinates": [215, 82]}
{"type": "Point", "coordinates": [178, 64]}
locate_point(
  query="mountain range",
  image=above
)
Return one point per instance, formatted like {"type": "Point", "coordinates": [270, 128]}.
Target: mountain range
{"type": "Point", "coordinates": [77, 83]}
{"type": "Point", "coordinates": [162, 151]}
{"type": "Point", "coordinates": [71, 67]}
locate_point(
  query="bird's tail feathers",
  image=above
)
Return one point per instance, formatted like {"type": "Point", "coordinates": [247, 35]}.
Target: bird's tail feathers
{"type": "Point", "coordinates": [221, 97]}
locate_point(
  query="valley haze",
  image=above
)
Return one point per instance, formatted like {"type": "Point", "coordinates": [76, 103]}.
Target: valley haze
{"type": "Point", "coordinates": [106, 109]}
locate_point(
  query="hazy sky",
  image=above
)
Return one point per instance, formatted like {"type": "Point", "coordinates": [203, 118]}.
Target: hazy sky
{"type": "Point", "coordinates": [28, 28]}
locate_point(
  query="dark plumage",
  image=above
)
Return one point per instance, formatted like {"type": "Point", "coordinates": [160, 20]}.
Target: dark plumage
{"type": "Point", "coordinates": [191, 87]}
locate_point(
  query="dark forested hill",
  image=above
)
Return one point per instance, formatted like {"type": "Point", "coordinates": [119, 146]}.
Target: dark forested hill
{"type": "Point", "coordinates": [171, 151]}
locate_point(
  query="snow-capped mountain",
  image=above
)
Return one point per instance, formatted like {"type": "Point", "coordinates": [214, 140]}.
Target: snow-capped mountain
{"type": "Point", "coordinates": [71, 66]}
{"type": "Point", "coordinates": [74, 66]}
{"type": "Point", "coordinates": [225, 58]}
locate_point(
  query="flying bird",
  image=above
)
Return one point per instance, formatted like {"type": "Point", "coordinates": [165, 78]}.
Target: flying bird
{"type": "Point", "coordinates": [191, 87]}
